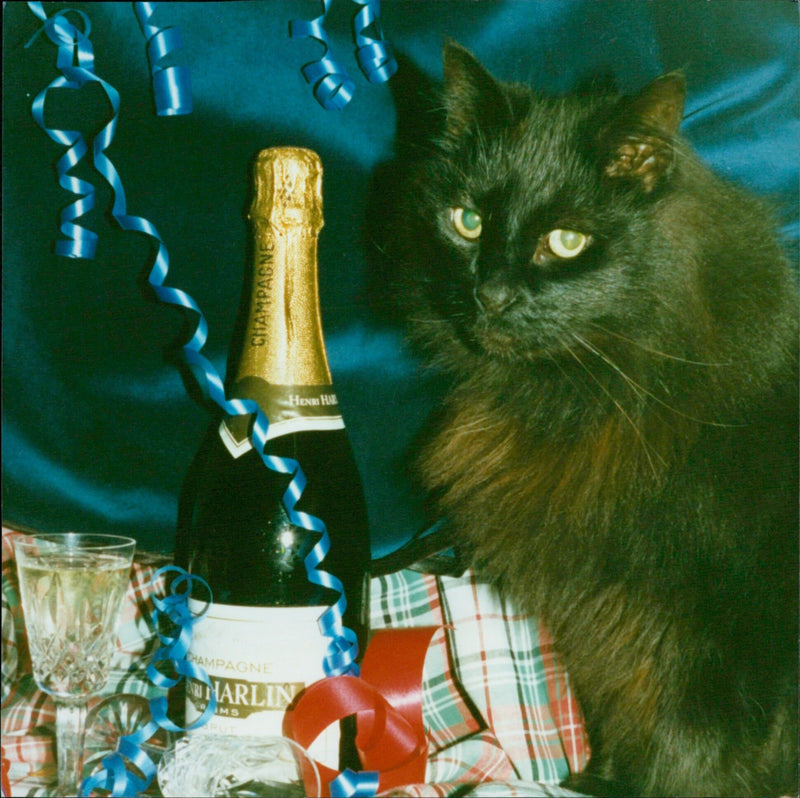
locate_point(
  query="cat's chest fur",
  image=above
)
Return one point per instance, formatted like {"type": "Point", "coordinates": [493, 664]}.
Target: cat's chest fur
{"type": "Point", "coordinates": [542, 482]}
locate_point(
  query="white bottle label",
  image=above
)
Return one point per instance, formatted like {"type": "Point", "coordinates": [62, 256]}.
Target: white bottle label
{"type": "Point", "coordinates": [289, 408]}
{"type": "Point", "coordinates": [258, 660]}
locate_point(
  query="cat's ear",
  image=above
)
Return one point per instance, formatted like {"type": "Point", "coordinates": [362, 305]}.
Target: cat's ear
{"type": "Point", "coordinates": [638, 142]}
{"type": "Point", "coordinates": [472, 97]}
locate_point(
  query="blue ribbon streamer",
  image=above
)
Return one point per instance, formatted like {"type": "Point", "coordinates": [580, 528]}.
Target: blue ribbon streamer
{"type": "Point", "coordinates": [172, 90]}
{"type": "Point", "coordinates": [114, 775]}
{"type": "Point", "coordinates": [73, 46]}
{"type": "Point", "coordinates": [342, 650]}
{"type": "Point", "coordinates": [349, 784]}
{"type": "Point", "coordinates": [374, 55]}
{"type": "Point", "coordinates": [75, 59]}
{"type": "Point", "coordinates": [333, 88]}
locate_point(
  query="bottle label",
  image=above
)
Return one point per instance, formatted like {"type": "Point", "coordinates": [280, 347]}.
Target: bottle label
{"type": "Point", "coordinates": [289, 408]}
{"type": "Point", "coordinates": [258, 659]}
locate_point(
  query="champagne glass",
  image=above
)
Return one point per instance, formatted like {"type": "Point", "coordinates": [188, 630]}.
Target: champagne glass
{"type": "Point", "coordinates": [72, 586]}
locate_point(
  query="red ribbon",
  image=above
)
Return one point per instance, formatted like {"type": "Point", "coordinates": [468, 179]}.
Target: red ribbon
{"type": "Point", "coordinates": [387, 702]}
{"type": "Point", "coordinates": [6, 767]}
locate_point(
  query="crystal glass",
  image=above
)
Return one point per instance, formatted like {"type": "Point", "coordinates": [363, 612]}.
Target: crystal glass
{"type": "Point", "coordinates": [72, 586]}
{"type": "Point", "coordinates": [211, 765]}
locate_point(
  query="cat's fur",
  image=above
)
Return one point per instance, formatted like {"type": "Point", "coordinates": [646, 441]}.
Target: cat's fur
{"type": "Point", "coordinates": [619, 449]}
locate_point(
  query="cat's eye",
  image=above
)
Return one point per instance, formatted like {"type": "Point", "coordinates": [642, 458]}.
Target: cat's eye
{"type": "Point", "coordinates": [567, 243]}
{"type": "Point", "coordinates": [468, 223]}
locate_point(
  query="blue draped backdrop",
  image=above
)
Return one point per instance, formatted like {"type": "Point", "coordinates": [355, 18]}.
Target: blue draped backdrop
{"type": "Point", "coordinates": [98, 426]}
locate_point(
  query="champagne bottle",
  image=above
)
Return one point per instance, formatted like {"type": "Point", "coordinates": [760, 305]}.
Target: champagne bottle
{"type": "Point", "coordinates": [259, 641]}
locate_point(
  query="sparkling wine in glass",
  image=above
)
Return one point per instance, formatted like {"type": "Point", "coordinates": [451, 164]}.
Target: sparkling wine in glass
{"type": "Point", "coordinates": [72, 586]}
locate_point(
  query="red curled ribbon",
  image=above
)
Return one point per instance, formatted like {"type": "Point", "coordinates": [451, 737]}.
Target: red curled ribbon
{"type": "Point", "coordinates": [387, 702]}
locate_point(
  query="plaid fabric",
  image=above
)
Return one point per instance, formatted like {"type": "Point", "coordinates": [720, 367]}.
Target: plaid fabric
{"type": "Point", "coordinates": [496, 704]}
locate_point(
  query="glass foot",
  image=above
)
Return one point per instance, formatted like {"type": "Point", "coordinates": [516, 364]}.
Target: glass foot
{"type": "Point", "coordinates": [113, 718]}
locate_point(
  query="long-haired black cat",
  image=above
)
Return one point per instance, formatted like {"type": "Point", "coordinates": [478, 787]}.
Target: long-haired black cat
{"type": "Point", "coordinates": [619, 448]}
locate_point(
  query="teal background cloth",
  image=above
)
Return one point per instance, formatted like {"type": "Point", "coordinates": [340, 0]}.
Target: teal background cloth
{"type": "Point", "coordinates": [98, 424]}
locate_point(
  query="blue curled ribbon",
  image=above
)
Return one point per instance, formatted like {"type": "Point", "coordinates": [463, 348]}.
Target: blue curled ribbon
{"type": "Point", "coordinates": [349, 784]}
{"type": "Point", "coordinates": [172, 90]}
{"type": "Point", "coordinates": [333, 88]}
{"type": "Point", "coordinates": [75, 59]}
{"type": "Point", "coordinates": [175, 647]}
{"type": "Point", "coordinates": [114, 775]}
{"type": "Point", "coordinates": [374, 55]}
{"type": "Point", "coordinates": [73, 46]}
{"type": "Point", "coordinates": [342, 650]}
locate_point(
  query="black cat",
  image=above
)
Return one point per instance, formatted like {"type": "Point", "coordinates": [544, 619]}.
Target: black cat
{"type": "Point", "coordinates": [619, 447]}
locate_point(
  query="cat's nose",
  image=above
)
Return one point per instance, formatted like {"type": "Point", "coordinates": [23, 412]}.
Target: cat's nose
{"type": "Point", "coordinates": [494, 298]}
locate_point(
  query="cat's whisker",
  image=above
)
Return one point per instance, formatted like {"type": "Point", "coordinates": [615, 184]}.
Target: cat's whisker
{"type": "Point", "coordinates": [657, 351]}
{"type": "Point", "coordinates": [420, 320]}
{"type": "Point", "coordinates": [646, 447]}
{"type": "Point", "coordinates": [640, 390]}
{"type": "Point", "coordinates": [473, 426]}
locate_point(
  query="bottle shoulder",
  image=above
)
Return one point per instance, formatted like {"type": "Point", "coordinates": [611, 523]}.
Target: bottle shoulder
{"type": "Point", "coordinates": [235, 532]}
{"type": "Point", "coordinates": [327, 454]}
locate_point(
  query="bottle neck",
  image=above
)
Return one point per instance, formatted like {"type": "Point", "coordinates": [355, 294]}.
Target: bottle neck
{"type": "Point", "coordinates": [283, 365]}
{"type": "Point", "coordinates": [283, 341]}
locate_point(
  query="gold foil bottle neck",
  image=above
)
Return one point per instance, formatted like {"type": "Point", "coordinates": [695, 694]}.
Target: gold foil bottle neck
{"type": "Point", "coordinates": [288, 188]}
{"type": "Point", "coordinates": [283, 341]}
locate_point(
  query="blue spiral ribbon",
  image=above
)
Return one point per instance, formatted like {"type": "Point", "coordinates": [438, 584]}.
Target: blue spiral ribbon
{"type": "Point", "coordinates": [343, 648]}
{"type": "Point", "coordinates": [374, 55]}
{"type": "Point", "coordinates": [114, 775]}
{"type": "Point", "coordinates": [349, 784]}
{"type": "Point", "coordinates": [172, 89]}
{"type": "Point", "coordinates": [74, 46]}
{"type": "Point", "coordinates": [333, 88]}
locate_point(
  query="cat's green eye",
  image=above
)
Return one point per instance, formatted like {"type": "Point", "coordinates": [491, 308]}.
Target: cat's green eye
{"type": "Point", "coordinates": [567, 243]}
{"type": "Point", "coordinates": [467, 223]}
